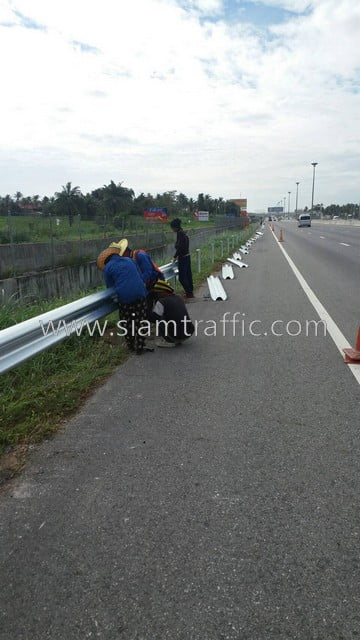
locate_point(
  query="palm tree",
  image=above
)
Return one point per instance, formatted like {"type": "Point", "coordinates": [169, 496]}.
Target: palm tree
{"type": "Point", "coordinates": [117, 198]}
{"type": "Point", "coordinates": [18, 195]}
{"type": "Point", "coordinates": [69, 198]}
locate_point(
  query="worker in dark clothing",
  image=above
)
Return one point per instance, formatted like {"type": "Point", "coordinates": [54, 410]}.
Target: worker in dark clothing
{"type": "Point", "coordinates": [182, 256]}
{"type": "Point", "coordinates": [173, 324]}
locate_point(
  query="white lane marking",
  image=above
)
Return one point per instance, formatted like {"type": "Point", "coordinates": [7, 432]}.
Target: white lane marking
{"type": "Point", "coordinates": [322, 237]}
{"type": "Point", "coordinates": [331, 328]}
{"type": "Point", "coordinates": [344, 244]}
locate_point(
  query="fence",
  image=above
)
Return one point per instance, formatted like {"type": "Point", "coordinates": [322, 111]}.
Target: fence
{"type": "Point", "coordinates": [17, 258]}
{"type": "Point", "coordinates": [62, 281]}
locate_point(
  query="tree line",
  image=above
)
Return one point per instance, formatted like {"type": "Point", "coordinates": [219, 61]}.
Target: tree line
{"type": "Point", "coordinates": [111, 203]}
{"type": "Point", "coordinates": [343, 210]}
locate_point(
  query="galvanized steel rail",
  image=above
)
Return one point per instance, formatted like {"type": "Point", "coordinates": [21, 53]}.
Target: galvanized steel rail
{"type": "Point", "coordinates": [26, 339]}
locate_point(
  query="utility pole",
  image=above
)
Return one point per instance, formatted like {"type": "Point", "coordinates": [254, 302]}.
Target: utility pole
{"type": "Point", "coordinates": [313, 183]}
{"type": "Point", "coordinates": [297, 193]}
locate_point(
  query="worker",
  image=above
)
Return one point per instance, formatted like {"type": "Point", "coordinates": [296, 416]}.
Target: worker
{"type": "Point", "coordinates": [182, 256]}
{"type": "Point", "coordinates": [123, 275]}
{"type": "Point", "coordinates": [169, 312]}
{"type": "Point", "coordinates": [150, 272]}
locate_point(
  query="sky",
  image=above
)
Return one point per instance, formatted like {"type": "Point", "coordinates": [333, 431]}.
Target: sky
{"type": "Point", "coordinates": [225, 97]}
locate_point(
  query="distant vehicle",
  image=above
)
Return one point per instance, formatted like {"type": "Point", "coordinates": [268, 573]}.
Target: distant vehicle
{"type": "Point", "coordinates": [335, 217]}
{"type": "Point", "coordinates": [304, 220]}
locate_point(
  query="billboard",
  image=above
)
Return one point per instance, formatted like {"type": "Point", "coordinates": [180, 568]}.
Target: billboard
{"type": "Point", "coordinates": [158, 214]}
{"type": "Point", "coordinates": [202, 216]}
{"type": "Point", "coordinates": [240, 202]}
{"type": "Point", "coordinates": [275, 210]}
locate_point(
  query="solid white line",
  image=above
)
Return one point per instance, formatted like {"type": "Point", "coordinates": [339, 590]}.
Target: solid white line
{"type": "Point", "coordinates": [344, 244]}
{"type": "Point", "coordinates": [331, 328]}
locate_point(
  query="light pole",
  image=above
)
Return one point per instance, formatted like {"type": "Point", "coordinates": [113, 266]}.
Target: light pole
{"type": "Point", "coordinates": [297, 193]}
{"type": "Point", "coordinates": [313, 183]}
{"type": "Point", "coordinates": [284, 204]}
{"type": "Point", "coordinates": [289, 192]}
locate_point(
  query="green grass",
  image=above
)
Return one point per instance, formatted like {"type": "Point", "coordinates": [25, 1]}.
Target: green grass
{"type": "Point", "coordinates": [37, 395]}
{"type": "Point", "coordinates": [37, 228]}
{"type": "Point", "coordinates": [40, 393]}
{"type": "Point", "coordinates": [207, 266]}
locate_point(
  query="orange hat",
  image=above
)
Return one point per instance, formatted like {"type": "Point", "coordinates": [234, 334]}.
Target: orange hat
{"type": "Point", "coordinates": [104, 255]}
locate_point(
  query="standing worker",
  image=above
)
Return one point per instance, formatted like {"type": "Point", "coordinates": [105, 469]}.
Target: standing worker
{"type": "Point", "coordinates": [182, 256]}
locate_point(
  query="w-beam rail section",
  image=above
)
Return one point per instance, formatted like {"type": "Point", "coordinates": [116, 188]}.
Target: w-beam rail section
{"type": "Point", "coordinates": [26, 339]}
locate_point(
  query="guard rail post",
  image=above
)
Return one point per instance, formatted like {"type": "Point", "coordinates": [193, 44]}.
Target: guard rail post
{"type": "Point", "coordinates": [198, 252]}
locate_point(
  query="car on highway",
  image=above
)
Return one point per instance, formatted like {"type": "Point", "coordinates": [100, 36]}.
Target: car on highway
{"type": "Point", "coordinates": [304, 220]}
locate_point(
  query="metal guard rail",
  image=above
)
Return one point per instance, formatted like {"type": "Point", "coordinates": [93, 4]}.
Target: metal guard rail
{"type": "Point", "coordinates": [26, 339]}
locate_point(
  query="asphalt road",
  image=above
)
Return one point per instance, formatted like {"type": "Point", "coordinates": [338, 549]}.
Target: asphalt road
{"type": "Point", "coordinates": [328, 256]}
{"type": "Point", "coordinates": [206, 492]}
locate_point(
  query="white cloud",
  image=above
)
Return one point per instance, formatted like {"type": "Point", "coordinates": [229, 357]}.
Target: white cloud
{"type": "Point", "coordinates": [148, 92]}
{"type": "Point", "coordinates": [208, 7]}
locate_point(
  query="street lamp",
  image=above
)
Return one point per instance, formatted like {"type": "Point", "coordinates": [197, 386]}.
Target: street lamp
{"type": "Point", "coordinates": [289, 192]}
{"type": "Point", "coordinates": [313, 183]}
{"type": "Point", "coordinates": [284, 204]}
{"type": "Point", "coordinates": [297, 193]}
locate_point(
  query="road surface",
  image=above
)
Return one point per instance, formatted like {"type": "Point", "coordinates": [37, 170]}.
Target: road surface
{"type": "Point", "coordinates": [207, 492]}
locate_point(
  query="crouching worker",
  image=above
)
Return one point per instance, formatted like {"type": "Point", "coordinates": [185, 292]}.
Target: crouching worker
{"type": "Point", "coordinates": [123, 275]}
{"type": "Point", "coordinates": [173, 323]}
{"type": "Point", "coordinates": [150, 272]}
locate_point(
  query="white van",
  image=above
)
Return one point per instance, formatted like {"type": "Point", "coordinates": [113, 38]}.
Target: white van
{"type": "Point", "coordinates": [304, 220]}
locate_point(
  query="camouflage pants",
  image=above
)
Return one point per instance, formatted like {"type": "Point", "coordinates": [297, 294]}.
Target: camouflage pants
{"type": "Point", "coordinates": [133, 313]}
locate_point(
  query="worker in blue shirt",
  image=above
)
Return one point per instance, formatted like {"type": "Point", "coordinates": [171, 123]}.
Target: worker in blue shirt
{"type": "Point", "coordinates": [150, 272]}
{"type": "Point", "coordinates": [124, 276]}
